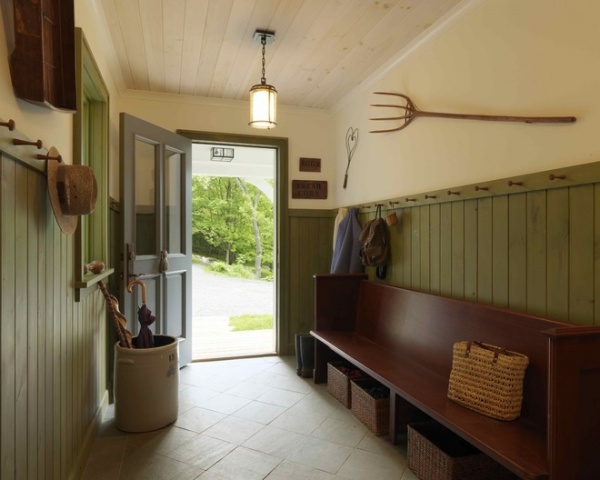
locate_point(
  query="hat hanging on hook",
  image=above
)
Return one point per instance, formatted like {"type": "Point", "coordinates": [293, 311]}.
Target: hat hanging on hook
{"type": "Point", "coordinates": [72, 190]}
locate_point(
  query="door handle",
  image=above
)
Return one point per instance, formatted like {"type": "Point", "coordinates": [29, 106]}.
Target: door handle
{"type": "Point", "coordinates": [164, 263]}
{"type": "Point", "coordinates": [130, 262]}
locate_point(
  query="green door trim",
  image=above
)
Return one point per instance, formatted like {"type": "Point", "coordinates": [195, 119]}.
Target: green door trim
{"type": "Point", "coordinates": [282, 281]}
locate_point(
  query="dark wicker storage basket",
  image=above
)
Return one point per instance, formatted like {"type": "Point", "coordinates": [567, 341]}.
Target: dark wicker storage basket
{"type": "Point", "coordinates": [372, 412]}
{"type": "Point", "coordinates": [338, 380]}
{"type": "Point", "coordinates": [436, 453]}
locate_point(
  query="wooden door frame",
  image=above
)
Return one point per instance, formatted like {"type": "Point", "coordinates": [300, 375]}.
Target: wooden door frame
{"type": "Point", "coordinates": [282, 281]}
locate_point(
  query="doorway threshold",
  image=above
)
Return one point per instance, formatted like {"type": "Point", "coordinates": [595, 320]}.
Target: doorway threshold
{"type": "Point", "coordinates": [213, 340]}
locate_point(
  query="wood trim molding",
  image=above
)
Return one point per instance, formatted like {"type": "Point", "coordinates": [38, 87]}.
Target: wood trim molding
{"type": "Point", "coordinates": [570, 176]}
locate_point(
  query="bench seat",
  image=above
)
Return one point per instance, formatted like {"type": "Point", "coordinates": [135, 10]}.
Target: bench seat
{"type": "Point", "coordinates": [403, 338]}
{"type": "Point", "coordinates": [515, 444]}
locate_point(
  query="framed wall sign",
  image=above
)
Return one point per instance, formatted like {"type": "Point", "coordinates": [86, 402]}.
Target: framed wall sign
{"type": "Point", "coordinates": [310, 164]}
{"type": "Point", "coordinates": [309, 189]}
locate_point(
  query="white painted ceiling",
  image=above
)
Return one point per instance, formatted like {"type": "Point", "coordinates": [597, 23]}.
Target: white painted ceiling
{"type": "Point", "coordinates": [322, 48]}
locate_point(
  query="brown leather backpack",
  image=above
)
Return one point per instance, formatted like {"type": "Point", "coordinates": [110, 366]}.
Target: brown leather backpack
{"type": "Point", "coordinates": [374, 239]}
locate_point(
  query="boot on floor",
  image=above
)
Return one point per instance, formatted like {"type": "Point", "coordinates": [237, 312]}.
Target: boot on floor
{"type": "Point", "coordinates": [307, 348]}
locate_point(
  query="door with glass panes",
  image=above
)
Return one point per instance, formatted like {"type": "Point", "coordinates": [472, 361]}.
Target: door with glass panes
{"type": "Point", "coordinates": [156, 228]}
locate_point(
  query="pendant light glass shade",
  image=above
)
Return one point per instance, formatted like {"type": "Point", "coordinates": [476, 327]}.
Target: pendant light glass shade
{"type": "Point", "coordinates": [263, 106]}
{"type": "Point", "coordinates": [263, 97]}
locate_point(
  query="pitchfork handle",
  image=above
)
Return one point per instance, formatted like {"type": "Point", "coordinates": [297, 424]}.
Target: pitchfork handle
{"type": "Point", "coordinates": [501, 118]}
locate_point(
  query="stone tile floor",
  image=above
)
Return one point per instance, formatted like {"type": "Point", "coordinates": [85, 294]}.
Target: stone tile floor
{"type": "Point", "coordinates": [249, 419]}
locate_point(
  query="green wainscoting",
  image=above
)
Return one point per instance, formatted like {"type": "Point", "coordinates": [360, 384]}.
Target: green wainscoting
{"type": "Point", "coordinates": [311, 249]}
{"type": "Point", "coordinates": [52, 347]}
{"type": "Point", "coordinates": [536, 251]}
{"type": "Point", "coordinates": [531, 245]}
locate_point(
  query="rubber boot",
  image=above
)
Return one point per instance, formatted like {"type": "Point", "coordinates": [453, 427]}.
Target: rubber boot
{"type": "Point", "coordinates": [307, 347]}
{"type": "Point", "coordinates": [298, 354]}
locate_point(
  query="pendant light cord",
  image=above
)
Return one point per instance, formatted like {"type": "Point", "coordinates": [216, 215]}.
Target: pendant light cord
{"type": "Point", "coordinates": [263, 41]}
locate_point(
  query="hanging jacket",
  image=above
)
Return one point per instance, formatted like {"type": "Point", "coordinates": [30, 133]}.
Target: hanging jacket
{"type": "Point", "coordinates": [346, 253]}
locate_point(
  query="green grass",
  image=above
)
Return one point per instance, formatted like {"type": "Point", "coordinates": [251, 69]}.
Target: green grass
{"type": "Point", "coordinates": [251, 322]}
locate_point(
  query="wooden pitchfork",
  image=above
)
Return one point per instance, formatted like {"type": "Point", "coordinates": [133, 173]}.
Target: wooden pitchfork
{"type": "Point", "coordinates": [411, 112]}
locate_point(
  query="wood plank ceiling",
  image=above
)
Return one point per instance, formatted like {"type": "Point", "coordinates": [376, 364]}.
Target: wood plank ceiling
{"type": "Point", "coordinates": [322, 48]}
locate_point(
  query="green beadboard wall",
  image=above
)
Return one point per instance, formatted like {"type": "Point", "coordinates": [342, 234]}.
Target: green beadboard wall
{"type": "Point", "coordinates": [536, 250]}
{"type": "Point", "coordinates": [530, 244]}
{"type": "Point", "coordinates": [52, 348]}
{"type": "Point", "coordinates": [311, 249]}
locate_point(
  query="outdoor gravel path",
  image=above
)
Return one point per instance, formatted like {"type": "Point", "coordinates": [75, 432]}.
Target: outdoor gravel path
{"type": "Point", "coordinates": [226, 296]}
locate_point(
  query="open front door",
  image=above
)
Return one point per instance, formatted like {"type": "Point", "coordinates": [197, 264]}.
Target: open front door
{"type": "Point", "coordinates": [156, 168]}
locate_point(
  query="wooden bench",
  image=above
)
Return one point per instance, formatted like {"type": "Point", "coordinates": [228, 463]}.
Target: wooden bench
{"type": "Point", "coordinates": [404, 339]}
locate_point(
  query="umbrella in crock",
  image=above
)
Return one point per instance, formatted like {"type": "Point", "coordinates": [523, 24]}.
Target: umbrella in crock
{"type": "Point", "coordinates": [145, 339]}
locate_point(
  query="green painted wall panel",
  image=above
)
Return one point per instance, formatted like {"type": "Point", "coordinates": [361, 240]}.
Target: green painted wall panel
{"type": "Point", "coordinates": [517, 251]}
{"type": "Point", "coordinates": [471, 249]}
{"type": "Point", "coordinates": [484, 253]}
{"type": "Point", "coordinates": [581, 254]}
{"type": "Point", "coordinates": [536, 252]}
{"type": "Point", "coordinates": [558, 252]}
{"type": "Point", "coordinates": [425, 248]}
{"type": "Point", "coordinates": [458, 249]}
{"type": "Point", "coordinates": [446, 249]}
{"type": "Point", "coordinates": [434, 249]}
{"type": "Point", "coordinates": [415, 252]}
{"type": "Point", "coordinates": [499, 252]}
{"type": "Point", "coordinates": [406, 250]}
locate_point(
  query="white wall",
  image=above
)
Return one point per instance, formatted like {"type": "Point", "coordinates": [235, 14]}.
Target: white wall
{"type": "Point", "coordinates": [309, 131]}
{"type": "Point", "coordinates": [503, 57]}
{"type": "Point", "coordinates": [32, 121]}
{"type": "Point", "coordinates": [515, 57]}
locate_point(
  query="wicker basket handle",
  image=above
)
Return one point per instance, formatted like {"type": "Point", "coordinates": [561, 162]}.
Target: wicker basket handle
{"type": "Point", "coordinates": [497, 350]}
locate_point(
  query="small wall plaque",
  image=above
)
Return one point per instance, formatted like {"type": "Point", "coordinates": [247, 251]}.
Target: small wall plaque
{"type": "Point", "coordinates": [310, 164]}
{"type": "Point", "coordinates": [310, 189]}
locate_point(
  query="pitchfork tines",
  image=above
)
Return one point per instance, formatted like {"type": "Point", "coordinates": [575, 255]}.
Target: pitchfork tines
{"type": "Point", "coordinates": [410, 111]}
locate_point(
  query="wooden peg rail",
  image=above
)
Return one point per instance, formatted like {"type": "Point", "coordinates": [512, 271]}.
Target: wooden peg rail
{"type": "Point", "coordinates": [569, 176]}
{"type": "Point", "coordinates": [13, 144]}
{"type": "Point", "coordinates": [38, 144]}
{"type": "Point", "coordinates": [10, 124]}
{"type": "Point", "coordinates": [49, 157]}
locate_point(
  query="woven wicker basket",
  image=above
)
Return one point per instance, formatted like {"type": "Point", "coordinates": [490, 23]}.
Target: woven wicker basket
{"type": "Point", "coordinates": [487, 379]}
{"type": "Point", "coordinates": [374, 413]}
{"type": "Point", "coordinates": [435, 453]}
{"type": "Point", "coordinates": [338, 381]}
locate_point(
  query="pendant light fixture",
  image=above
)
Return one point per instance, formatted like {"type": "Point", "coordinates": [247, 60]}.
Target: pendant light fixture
{"type": "Point", "coordinates": [263, 97]}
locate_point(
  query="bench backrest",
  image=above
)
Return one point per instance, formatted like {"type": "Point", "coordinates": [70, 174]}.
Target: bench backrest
{"type": "Point", "coordinates": [424, 327]}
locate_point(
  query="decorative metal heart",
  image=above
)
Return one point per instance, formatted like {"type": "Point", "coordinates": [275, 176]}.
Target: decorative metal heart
{"type": "Point", "coordinates": [351, 143]}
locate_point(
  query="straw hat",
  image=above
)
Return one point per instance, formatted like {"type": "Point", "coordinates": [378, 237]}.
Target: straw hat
{"type": "Point", "coordinates": [72, 189]}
